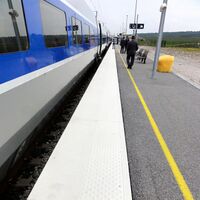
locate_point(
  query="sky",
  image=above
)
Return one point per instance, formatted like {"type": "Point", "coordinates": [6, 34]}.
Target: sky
{"type": "Point", "coordinates": [182, 15]}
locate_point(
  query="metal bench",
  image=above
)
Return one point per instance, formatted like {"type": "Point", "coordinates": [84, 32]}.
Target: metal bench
{"type": "Point", "coordinates": [139, 52]}
{"type": "Point", "coordinates": [142, 55]}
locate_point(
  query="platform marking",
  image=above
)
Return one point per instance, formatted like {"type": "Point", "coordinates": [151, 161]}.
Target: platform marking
{"type": "Point", "coordinates": [171, 161]}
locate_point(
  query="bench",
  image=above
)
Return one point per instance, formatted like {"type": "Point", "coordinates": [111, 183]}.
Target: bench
{"type": "Point", "coordinates": [139, 52]}
{"type": "Point", "coordinates": [141, 55]}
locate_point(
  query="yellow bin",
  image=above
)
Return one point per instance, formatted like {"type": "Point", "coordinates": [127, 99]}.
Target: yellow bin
{"type": "Point", "coordinates": [165, 63]}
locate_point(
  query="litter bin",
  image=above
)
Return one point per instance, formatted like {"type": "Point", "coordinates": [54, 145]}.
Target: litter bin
{"type": "Point", "coordinates": [165, 63]}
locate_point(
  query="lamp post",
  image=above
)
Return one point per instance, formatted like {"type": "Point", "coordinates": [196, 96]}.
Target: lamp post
{"type": "Point", "coordinates": [163, 9]}
{"type": "Point", "coordinates": [135, 13]}
{"type": "Point", "coordinates": [97, 24]}
{"type": "Point", "coordinates": [123, 28]}
{"type": "Point", "coordinates": [136, 26]}
{"type": "Point", "coordinates": [126, 24]}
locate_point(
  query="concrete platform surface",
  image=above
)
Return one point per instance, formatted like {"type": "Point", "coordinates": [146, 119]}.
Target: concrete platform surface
{"type": "Point", "coordinates": [175, 106]}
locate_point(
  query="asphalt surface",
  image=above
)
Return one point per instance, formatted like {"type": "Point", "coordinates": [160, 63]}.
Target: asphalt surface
{"type": "Point", "coordinates": [175, 106]}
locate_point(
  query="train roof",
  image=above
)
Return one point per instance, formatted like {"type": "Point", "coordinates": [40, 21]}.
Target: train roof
{"type": "Point", "coordinates": [82, 7]}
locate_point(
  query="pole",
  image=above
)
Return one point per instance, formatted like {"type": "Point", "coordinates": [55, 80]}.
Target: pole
{"type": "Point", "coordinates": [135, 12]}
{"type": "Point", "coordinates": [161, 27]}
{"type": "Point", "coordinates": [96, 18]}
{"type": "Point", "coordinates": [136, 26]}
{"type": "Point", "coordinates": [123, 28]}
{"type": "Point", "coordinates": [126, 24]}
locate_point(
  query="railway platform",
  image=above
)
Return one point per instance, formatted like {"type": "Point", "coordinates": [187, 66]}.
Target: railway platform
{"type": "Point", "coordinates": [131, 137]}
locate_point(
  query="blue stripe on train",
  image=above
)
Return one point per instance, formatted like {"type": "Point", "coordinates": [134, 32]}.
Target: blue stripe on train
{"type": "Point", "coordinates": [16, 64]}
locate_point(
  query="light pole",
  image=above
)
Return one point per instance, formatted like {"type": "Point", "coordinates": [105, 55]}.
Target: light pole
{"type": "Point", "coordinates": [126, 23]}
{"type": "Point", "coordinates": [136, 26]}
{"type": "Point", "coordinates": [96, 19]}
{"type": "Point", "coordinates": [135, 11]}
{"type": "Point", "coordinates": [123, 27]}
{"type": "Point", "coordinates": [163, 9]}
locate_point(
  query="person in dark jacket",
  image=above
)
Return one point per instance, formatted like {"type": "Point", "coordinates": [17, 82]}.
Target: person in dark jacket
{"type": "Point", "coordinates": [122, 44]}
{"type": "Point", "coordinates": [132, 47]}
{"type": "Point", "coordinates": [126, 43]}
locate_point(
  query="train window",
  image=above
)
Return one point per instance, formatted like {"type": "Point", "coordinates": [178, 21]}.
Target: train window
{"type": "Point", "coordinates": [86, 33]}
{"type": "Point", "coordinates": [54, 25]}
{"type": "Point", "coordinates": [13, 35]}
{"type": "Point", "coordinates": [104, 39]}
{"type": "Point", "coordinates": [92, 37]}
{"type": "Point", "coordinates": [77, 31]}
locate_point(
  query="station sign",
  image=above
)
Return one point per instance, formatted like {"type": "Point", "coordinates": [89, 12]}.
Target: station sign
{"type": "Point", "coordinates": [75, 28]}
{"type": "Point", "coordinates": [136, 26]}
{"type": "Point", "coordinates": [70, 28]}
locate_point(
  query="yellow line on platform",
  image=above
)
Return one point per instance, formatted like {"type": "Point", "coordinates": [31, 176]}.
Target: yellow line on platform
{"type": "Point", "coordinates": [172, 163]}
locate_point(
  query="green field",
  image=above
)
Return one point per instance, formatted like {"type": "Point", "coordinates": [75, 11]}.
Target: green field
{"type": "Point", "coordinates": [172, 39]}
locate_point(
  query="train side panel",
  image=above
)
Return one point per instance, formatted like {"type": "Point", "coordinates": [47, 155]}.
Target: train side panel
{"type": "Point", "coordinates": [32, 81]}
{"type": "Point", "coordinates": [29, 102]}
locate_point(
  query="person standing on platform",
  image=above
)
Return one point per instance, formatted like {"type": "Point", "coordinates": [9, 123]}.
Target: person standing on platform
{"type": "Point", "coordinates": [122, 44]}
{"type": "Point", "coordinates": [113, 42]}
{"type": "Point", "coordinates": [132, 47]}
{"type": "Point", "coordinates": [126, 43]}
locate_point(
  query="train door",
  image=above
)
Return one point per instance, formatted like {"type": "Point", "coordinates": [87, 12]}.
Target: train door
{"type": "Point", "coordinates": [100, 39]}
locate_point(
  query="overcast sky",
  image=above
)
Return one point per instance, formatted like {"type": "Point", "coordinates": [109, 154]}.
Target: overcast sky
{"type": "Point", "coordinates": [182, 15]}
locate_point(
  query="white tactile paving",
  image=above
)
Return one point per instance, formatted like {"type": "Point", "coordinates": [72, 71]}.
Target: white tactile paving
{"type": "Point", "coordinates": [90, 160]}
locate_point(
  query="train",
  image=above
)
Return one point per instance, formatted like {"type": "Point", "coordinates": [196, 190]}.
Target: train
{"type": "Point", "coordinates": [45, 46]}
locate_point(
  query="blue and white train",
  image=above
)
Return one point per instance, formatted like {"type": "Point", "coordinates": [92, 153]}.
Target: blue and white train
{"type": "Point", "coordinates": [44, 47]}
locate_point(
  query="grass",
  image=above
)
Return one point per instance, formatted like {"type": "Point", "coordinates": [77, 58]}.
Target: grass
{"type": "Point", "coordinates": [186, 49]}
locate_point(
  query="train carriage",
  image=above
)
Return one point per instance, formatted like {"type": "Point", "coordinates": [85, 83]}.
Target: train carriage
{"type": "Point", "coordinates": [45, 45]}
